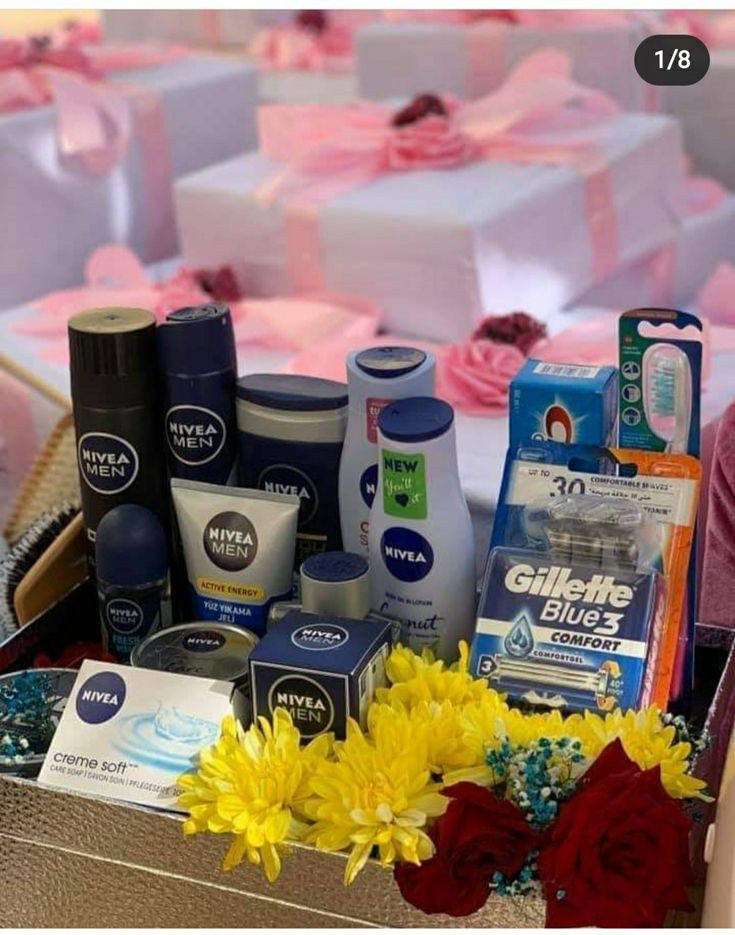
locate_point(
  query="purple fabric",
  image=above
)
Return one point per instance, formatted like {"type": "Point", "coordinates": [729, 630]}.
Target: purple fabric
{"type": "Point", "coordinates": [717, 597]}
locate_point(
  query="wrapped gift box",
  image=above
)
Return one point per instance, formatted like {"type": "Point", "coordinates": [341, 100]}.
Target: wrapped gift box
{"type": "Point", "coordinates": [470, 60]}
{"type": "Point", "coordinates": [674, 274]}
{"type": "Point", "coordinates": [193, 27]}
{"type": "Point", "coordinates": [706, 113]}
{"type": "Point", "coordinates": [437, 249]}
{"type": "Point", "coordinates": [55, 213]}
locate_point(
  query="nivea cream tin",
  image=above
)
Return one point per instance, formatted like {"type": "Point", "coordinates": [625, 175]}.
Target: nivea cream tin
{"type": "Point", "coordinates": [209, 650]}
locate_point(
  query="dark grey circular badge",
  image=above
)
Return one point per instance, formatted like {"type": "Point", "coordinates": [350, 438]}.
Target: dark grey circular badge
{"type": "Point", "coordinates": [230, 541]}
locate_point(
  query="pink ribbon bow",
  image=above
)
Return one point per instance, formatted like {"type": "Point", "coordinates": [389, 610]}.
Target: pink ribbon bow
{"type": "Point", "coordinates": [540, 115]}
{"type": "Point", "coordinates": [115, 277]}
{"type": "Point", "coordinates": [94, 118]}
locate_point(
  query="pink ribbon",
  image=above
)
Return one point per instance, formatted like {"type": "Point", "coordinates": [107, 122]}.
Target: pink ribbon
{"type": "Point", "coordinates": [540, 115]}
{"type": "Point", "coordinates": [701, 196]}
{"type": "Point", "coordinates": [95, 119]}
{"type": "Point", "coordinates": [115, 276]}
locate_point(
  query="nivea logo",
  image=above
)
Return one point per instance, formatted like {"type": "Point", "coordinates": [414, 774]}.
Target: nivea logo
{"type": "Point", "coordinates": [369, 484]}
{"type": "Point", "coordinates": [123, 615]}
{"type": "Point", "coordinates": [203, 641]}
{"type": "Point", "coordinates": [100, 698]}
{"type": "Point", "coordinates": [108, 463]}
{"type": "Point", "coordinates": [406, 554]}
{"type": "Point", "coordinates": [195, 435]}
{"type": "Point", "coordinates": [309, 705]}
{"type": "Point", "coordinates": [320, 637]}
{"type": "Point", "coordinates": [230, 541]}
{"type": "Point", "coordinates": [287, 479]}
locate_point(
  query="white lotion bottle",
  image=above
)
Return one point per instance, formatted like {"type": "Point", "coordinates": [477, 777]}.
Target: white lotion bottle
{"type": "Point", "coordinates": [422, 552]}
{"type": "Point", "coordinates": [376, 377]}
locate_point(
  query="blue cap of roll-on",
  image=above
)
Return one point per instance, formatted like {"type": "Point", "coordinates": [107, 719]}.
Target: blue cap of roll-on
{"type": "Point", "coordinates": [130, 546]}
{"type": "Point", "coordinates": [334, 566]}
{"type": "Point", "coordinates": [291, 392]}
{"type": "Point", "coordinates": [388, 362]}
{"type": "Point", "coordinates": [197, 340]}
{"type": "Point", "coordinates": [415, 419]}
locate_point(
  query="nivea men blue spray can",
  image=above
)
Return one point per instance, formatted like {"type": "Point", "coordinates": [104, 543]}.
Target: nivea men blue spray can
{"type": "Point", "coordinates": [199, 361]}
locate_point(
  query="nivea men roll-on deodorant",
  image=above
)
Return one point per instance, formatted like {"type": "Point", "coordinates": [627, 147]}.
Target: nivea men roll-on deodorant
{"type": "Point", "coordinates": [115, 396]}
{"type": "Point", "coordinates": [199, 361]}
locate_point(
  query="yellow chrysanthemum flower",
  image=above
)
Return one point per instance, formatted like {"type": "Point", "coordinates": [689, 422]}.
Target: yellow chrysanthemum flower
{"type": "Point", "coordinates": [436, 723]}
{"type": "Point", "coordinates": [378, 793]}
{"type": "Point", "coordinates": [418, 679]}
{"type": "Point", "coordinates": [253, 784]}
{"type": "Point", "coordinates": [647, 741]}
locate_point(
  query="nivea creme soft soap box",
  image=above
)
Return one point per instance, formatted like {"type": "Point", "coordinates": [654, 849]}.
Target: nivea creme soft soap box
{"type": "Point", "coordinates": [323, 669]}
{"type": "Point", "coordinates": [128, 734]}
{"type": "Point", "coordinates": [571, 636]}
{"type": "Point", "coordinates": [572, 403]}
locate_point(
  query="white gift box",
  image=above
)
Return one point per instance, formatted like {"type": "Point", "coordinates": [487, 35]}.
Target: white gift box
{"type": "Point", "coordinates": [306, 87]}
{"type": "Point", "coordinates": [673, 274]}
{"type": "Point", "coordinates": [437, 250]}
{"type": "Point", "coordinates": [469, 61]}
{"type": "Point", "coordinates": [193, 27]}
{"type": "Point", "coordinates": [705, 110]}
{"type": "Point", "coordinates": [54, 215]}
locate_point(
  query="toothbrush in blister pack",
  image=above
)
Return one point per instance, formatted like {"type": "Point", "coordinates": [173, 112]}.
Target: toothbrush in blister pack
{"type": "Point", "coordinates": [660, 352]}
{"type": "Point", "coordinates": [584, 589]}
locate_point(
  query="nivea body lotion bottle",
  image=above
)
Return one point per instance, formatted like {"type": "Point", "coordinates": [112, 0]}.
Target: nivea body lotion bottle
{"type": "Point", "coordinates": [376, 377]}
{"type": "Point", "coordinates": [421, 540]}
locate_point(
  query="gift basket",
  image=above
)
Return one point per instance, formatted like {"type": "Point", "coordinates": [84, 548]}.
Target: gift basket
{"type": "Point", "coordinates": [357, 717]}
{"type": "Point", "coordinates": [339, 590]}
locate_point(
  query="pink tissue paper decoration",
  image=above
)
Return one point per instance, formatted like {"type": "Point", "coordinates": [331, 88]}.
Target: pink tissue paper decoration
{"type": "Point", "coordinates": [115, 276]}
{"type": "Point", "coordinates": [315, 40]}
{"type": "Point", "coordinates": [717, 594]}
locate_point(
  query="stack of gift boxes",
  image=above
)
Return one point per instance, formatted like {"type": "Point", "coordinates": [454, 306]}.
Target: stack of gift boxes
{"type": "Point", "coordinates": [535, 171]}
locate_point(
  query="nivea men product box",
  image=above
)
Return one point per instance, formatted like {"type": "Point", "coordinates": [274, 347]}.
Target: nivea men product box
{"type": "Point", "coordinates": [128, 734]}
{"type": "Point", "coordinates": [567, 636]}
{"type": "Point", "coordinates": [570, 403]}
{"type": "Point", "coordinates": [323, 669]}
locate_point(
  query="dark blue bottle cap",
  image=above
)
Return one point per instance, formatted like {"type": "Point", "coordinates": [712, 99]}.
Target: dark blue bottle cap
{"type": "Point", "coordinates": [198, 340]}
{"type": "Point", "coordinates": [416, 419]}
{"type": "Point", "coordinates": [130, 547]}
{"type": "Point", "coordinates": [291, 392]}
{"type": "Point", "coordinates": [389, 362]}
{"type": "Point", "coordinates": [334, 566]}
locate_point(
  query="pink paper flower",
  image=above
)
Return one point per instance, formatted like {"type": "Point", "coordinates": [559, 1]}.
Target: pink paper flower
{"type": "Point", "coordinates": [475, 376]}
{"type": "Point", "coordinates": [433, 141]}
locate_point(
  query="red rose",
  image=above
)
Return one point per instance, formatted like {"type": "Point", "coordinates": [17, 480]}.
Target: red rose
{"type": "Point", "coordinates": [478, 835]}
{"type": "Point", "coordinates": [618, 854]}
{"type": "Point", "coordinates": [221, 283]}
{"type": "Point", "coordinates": [517, 328]}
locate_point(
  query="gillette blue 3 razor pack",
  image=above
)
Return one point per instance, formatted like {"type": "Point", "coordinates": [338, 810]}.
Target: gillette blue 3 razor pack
{"type": "Point", "coordinates": [585, 584]}
{"type": "Point", "coordinates": [564, 634]}
{"type": "Point", "coordinates": [564, 403]}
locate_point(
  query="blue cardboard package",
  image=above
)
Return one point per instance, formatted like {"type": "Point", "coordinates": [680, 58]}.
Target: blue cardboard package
{"type": "Point", "coordinates": [571, 403]}
{"type": "Point", "coordinates": [323, 669]}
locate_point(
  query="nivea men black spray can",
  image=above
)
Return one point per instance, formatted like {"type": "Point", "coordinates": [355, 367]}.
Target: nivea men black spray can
{"type": "Point", "coordinates": [199, 363]}
{"type": "Point", "coordinates": [116, 400]}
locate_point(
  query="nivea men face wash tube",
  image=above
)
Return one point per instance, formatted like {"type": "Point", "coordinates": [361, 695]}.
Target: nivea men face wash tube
{"type": "Point", "coordinates": [115, 395]}
{"type": "Point", "coordinates": [239, 548]}
{"type": "Point", "coordinates": [198, 357]}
